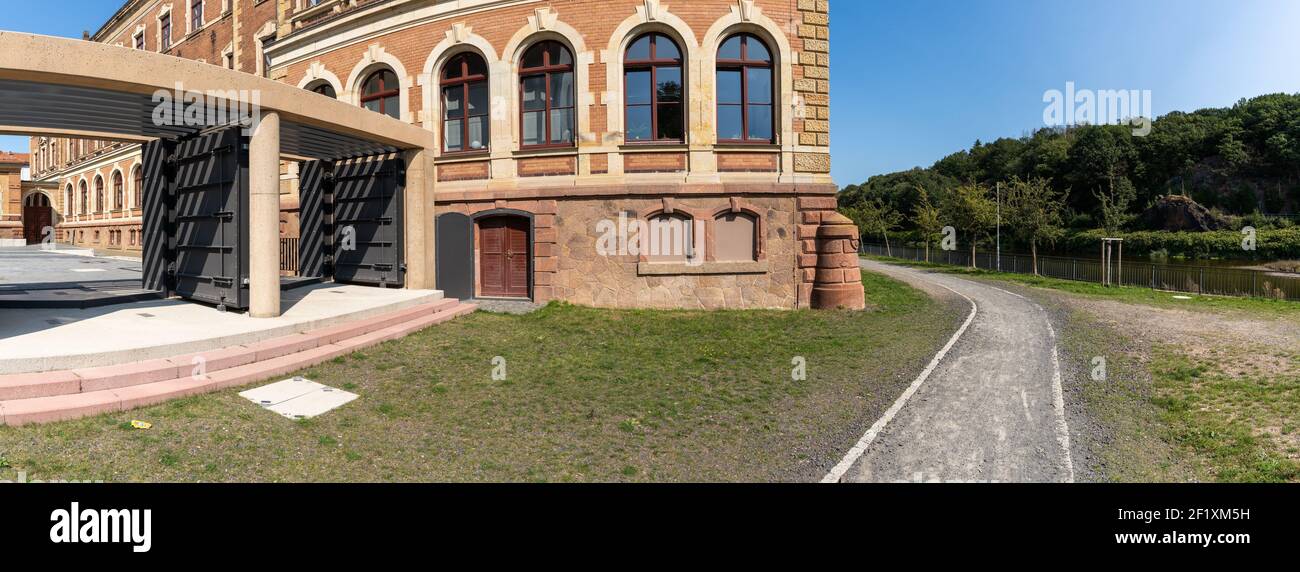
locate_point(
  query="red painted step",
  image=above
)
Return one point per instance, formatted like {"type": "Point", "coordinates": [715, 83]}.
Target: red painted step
{"type": "Point", "coordinates": [61, 395]}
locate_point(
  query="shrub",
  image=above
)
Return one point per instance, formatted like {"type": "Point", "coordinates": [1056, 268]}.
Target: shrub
{"type": "Point", "coordinates": [1269, 244]}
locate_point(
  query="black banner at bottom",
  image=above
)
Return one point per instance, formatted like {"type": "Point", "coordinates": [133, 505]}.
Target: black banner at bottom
{"type": "Point", "coordinates": [1085, 522]}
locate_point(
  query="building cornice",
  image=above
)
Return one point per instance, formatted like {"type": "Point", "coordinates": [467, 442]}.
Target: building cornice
{"type": "Point", "coordinates": [124, 15]}
{"type": "Point", "coordinates": [370, 21]}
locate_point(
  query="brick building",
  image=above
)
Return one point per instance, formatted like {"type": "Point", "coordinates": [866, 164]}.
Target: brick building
{"type": "Point", "coordinates": [637, 153]}
{"type": "Point", "coordinates": [11, 182]}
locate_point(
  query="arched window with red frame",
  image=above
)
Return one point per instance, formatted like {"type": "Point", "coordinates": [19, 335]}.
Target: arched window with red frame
{"type": "Point", "coordinates": [546, 90]}
{"type": "Point", "coordinates": [745, 91]}
{"type": "Point", "coordinates": [138, 186]}
{"type": "Point", "coordinates": [465, 104]}
{"type": "Point", "coordinates": [99, 194]}
{"type": "Point", "coordinates": [85, 199]}
{"type": "Point", "coordinates": [324, 88]}
{"type": "Point", "coordinates": [119, 191]}
{"type": "Point", "coordinates": [382, 93]}
{"type": "Point", "coordinates": [69, 208]}
{"type": "Point", "coordinates": [652, 88]}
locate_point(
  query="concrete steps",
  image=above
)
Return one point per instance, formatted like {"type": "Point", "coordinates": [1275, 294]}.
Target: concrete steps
{"type": "Point", "coordinates": [60, 395]}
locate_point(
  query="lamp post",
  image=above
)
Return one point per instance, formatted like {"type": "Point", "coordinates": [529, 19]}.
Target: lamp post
{"type": "Point", "coordinates": [998, 194]}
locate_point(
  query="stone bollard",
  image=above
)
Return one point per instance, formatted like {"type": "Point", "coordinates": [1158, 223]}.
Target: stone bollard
{"type": "Point", "coordinates": [838, 283]}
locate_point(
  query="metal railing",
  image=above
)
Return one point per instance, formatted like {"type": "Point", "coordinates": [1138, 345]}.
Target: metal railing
{"type": "Point", "coordinates": [289, 256]}
{"type": "Point", "coordinates": [1142, 274]}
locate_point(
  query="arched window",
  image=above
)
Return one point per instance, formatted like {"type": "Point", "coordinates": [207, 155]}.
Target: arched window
{"type": "Point", "coordinates": [382, 93]}
{"type": "Point", "coordinates": [99, 194]}
{"type": "Point", "coordinates": [652, 87]}
{"type": "Point", "coordinates": [119, 191]}
{"type": "Point", "coordinates": [68, 207]}
{"type": "Point", "coordinates": [465, 104]}
{"type": "Point", "coordinates": [745, 91]}
{"type": "Point", "coordinates": [138, 186]}
{"type": "Point", "coordinates": [324, 88]}
{"type": "Point", "coordinates": [735, 238]}
{"type": "Point", "coordinates": [671, 238]}
{"type": "Point", "coordinates": [85, 199]}
{"type": "Point", "coordinates": [546, 87]}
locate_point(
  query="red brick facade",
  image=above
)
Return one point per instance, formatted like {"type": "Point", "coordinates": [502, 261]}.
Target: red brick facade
{"type": "Point", "coordinates": [778, 188]}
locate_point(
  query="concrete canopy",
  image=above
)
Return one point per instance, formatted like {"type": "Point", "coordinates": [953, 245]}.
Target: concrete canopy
{"type": "Point", "coordinates": [74, 88]}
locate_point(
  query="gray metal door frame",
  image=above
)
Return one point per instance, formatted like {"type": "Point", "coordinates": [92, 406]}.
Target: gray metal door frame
{"type": "Point", "coordinates": [196, 217]}
{"type": "Point", "coordinates": [352, 220]}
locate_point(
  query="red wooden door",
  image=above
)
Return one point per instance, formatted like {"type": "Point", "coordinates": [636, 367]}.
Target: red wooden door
{"type": "Point", "coordinates": [503, 257]}
{"type": "Point", "coordinates": [35, 221]}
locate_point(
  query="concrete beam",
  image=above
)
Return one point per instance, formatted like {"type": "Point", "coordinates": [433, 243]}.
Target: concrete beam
{"type": "Point", "coordinates": [68, 62]}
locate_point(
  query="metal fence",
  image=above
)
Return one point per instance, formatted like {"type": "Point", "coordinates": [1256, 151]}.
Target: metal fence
{"type": "Point", "coordinates": [1171, 277]}
{"type": "Point", "coordinates": [289, 256]}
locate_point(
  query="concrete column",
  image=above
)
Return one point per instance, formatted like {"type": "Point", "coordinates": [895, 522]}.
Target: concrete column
{"type": "Point", "coordinates": [419, 227]}
{"type": "Point", "coordinates": [264, 217]}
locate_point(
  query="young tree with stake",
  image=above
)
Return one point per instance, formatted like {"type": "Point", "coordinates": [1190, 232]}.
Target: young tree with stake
{"type": "Point", "coordinates": [972, 212]}
{"type": "Point", "coordinates": [926, 218]}
{"type": "Point", "coordinates": [1035, 209]}
{"type": "Point", "coordinates": [876, 216]}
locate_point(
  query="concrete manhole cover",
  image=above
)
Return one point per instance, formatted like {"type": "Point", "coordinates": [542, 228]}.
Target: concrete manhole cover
{"type": "Point", "coordinates": [298, 398]}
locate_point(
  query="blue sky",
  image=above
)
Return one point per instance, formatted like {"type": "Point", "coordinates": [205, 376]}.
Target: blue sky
{"type": "Point", "coordinates": [914, 80]}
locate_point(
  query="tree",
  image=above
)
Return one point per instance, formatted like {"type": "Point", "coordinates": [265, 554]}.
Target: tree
{"type": "Point", "coordinates": [898, 190]}
{"type": "Point", "coordinates": [875, 216]}
{"type": "Point", "coordinates": [1213, 155]}
{"type": "Point", "coordinates": [1034, 209]}
{"type": "Point", "coordinates": [925, 216]}
{"type": "Point", "coordinates": [972, 212]}
{"type": "Point", "coordinates": [1113, 203]}
{"type": "Point", "coordinates": [1099, 156]}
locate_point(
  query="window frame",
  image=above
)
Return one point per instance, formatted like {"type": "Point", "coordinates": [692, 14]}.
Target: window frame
{"type": "Point", "coordinates": [85, 198]}
{"type": "Point", "coordinates": [653, 65]}
{"type": "Point", "coordinates": [119, 191]}
{"type": "Point", "coordinates": [196, 16]}
{"type": "Point", "coordinates": [547, 70]}
{"type": "Point", "coordinates": [653, 241]}
{"type": "Point", "coordinates": [165, 32]}
{"type": "Point", "coordinates": [755, 235]}
{"type": "Point", "coordinates": [384, 94]}
{"type": "Point", "coordinates": [99, 194]}
{"type": "Point", "coordinates": [322, 85]}
{"type": "Point", "coordinates": [743, 65]}
{"type": "Point", "coordinates": [465, 81]}
{"type": "Point", "coordinates": [137, 175]}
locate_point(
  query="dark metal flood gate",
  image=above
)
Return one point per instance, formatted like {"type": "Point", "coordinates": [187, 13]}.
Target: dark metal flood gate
{"type": "Point", "coordinates": [196, 217]}
{"type": "Point", "coordinates": [351, 221]}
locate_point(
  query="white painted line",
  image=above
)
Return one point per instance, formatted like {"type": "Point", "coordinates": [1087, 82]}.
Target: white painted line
{"type": "Point", "coordinates": [1008, 292]}
{"type": "Point", "coordinates": [1058, 395]}
{"type": "Point", "coordinates": [1058, 401]}
{"type": "Point", "coordinates": [860, 448]}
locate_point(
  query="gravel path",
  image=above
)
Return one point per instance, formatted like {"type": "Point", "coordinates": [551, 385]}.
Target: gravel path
{"type": "Point", "coordinates": [991, 409]}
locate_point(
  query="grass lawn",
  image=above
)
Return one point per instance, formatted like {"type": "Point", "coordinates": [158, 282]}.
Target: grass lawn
{"type": "Point", "coordinates": [1239, 426]}
{"type": "Point", "coordinates": [1263, 306]}
{"type": "Point", "coordinates": [1216, 409]}
{"type": "Point", "coordinates": [589, 395]}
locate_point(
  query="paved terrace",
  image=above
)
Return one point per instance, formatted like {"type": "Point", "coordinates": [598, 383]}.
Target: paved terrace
{"type": "Point", "coordinates": [34, 340]}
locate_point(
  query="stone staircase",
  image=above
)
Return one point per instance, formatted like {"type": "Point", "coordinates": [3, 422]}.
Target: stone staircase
{"type": "Point", "coordinates": [60, 395]}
